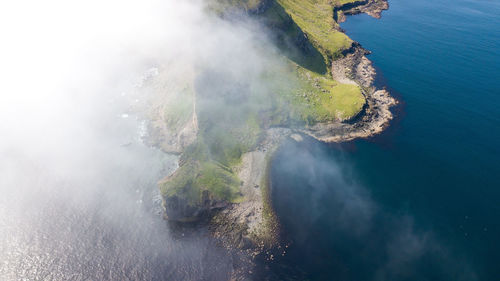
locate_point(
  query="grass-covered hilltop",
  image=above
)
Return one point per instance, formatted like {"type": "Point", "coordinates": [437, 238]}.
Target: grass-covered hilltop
{"type": "Point", "coordinates": [225, 122]}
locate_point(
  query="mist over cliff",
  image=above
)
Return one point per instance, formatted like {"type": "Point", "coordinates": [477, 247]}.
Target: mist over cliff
{"type": "Point", "coordinates": [79, 195]}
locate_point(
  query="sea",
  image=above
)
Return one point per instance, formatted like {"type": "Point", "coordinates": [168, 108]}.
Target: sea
{"type": "Point", "coordinates": [421, 201]}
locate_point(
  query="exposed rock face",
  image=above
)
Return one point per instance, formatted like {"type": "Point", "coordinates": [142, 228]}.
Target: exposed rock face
{"type": "Point", "coordinates": [354, 67]}
{"type": "Point", "coordinates": [180, 210]}
{"type": "Point", "coordinates": [373, 8]}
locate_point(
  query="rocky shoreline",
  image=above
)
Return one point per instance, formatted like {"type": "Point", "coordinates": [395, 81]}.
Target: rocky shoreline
{"type": "Point", "coordinates": [235, 225]}
{"type": "Point", "coordinates": [353, 68]}
{"type": "Point", "coordinates": [372, 8]}
{"type": "Point", "coordinates": [356, 68]}
{"type": "Point", "coordinates": [250, 228]}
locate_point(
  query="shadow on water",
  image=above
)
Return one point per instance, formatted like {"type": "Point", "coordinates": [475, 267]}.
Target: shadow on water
{"type": "Point", "coordinates": [336, 230]}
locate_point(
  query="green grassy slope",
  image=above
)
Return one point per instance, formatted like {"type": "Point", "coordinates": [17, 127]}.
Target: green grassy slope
{"type": "Point", "coordinates": [233, 114]}
{"type": "Point", "coordinates": [315, 18]}
{"type": "Point", "coordinates": [317, 97]}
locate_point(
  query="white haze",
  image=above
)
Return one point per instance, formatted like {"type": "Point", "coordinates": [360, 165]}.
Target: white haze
{"type": "Point", "coordinates": [70, 191]}
{"type": "Point", "coordinates": [61, 58]}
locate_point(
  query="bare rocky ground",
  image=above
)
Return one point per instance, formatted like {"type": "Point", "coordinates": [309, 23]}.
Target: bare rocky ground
{"type": "Point", "coordinates": [373, 8]}
{"type": "Point", "coordinates": [244, 228]}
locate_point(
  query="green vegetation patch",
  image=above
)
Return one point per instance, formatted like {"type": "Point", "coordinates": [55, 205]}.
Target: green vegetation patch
{"type": "Point", "coordinates": [221, 7]}
{"type": "Point", "coordinates": [291, 41]}
{"type": "Point", "coordinates": [229, 126]}
{"type": "Point", "coordinates": [322, 99]}
{"type": "Point", "coordinates": [343, 2]}
{"type": "Point", "coordinates": [192, 178]}
{"type": "Point", "coordinates": [304, 97]}
{"type": "Point", "coordinates": [178, 112]}
{"type": "Point", "coordinates": [315, 18]}
{"type": "Point", "coordinates": [233, 109]}
{"type": "Point", "coordinates": [304, 92]}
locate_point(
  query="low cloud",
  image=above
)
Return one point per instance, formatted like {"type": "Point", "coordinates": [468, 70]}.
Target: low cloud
{"type": "Point", "coordinates": [76, 182]}
{"type": "Point", "coordinates": [334, 221]}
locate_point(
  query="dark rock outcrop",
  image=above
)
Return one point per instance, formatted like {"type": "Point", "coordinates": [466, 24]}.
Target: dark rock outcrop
{"type": "Point", "coordinates": [373, 8]}
{"type": "Point", "coordinates": [180, 210]}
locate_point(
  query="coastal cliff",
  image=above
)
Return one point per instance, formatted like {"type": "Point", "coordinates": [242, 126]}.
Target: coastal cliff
{"type": "Point", "coordinates": [226, 131]}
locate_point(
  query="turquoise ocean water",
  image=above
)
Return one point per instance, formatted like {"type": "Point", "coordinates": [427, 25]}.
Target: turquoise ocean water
{"type": "Point", "coordinates": [422, 200]}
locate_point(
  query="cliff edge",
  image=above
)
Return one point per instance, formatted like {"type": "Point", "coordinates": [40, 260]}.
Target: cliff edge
{"type": "Point", "coordinates": [226, 135]}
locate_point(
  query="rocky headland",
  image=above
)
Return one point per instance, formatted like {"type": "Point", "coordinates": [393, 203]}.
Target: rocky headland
{"type": "Point", "coordinates": [222, 179]}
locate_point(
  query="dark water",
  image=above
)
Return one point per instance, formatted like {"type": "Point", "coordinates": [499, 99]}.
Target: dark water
{"type": "Point", "coordinates": [421, 201]}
